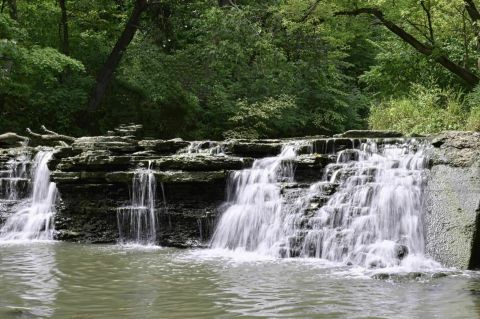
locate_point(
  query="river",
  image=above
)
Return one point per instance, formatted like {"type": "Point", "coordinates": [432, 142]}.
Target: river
{"type": "Point", "coordinates": [64, 280]}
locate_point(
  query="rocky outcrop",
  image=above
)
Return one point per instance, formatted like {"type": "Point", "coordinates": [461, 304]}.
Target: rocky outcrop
{"type": "Point", "coordinates": [14, 178]}
{"type": "Point", "coordinates": [95, 180]}
{"type": "Point", "coordinates": [452, 200]}
{"type": "Point", "coordinates": [94, 177]}
{"type": "Point", "coordinates": [370, 134]}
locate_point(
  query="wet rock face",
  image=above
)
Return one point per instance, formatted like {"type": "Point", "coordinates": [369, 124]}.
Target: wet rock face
{"type": "Point", "coordinates": [94, 177]}
{"type": "Point", "coordinates": [163, 146]}
{"type": "Point", "coordinates": [15, 178]}
{"type": "Point", "coordinates": [95, 182]}
{"type": "Point", "coordinates": [452, 200]}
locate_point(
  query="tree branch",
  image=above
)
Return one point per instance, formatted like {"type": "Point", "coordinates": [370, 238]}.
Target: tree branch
{"type": "Point", "coordinates": [472, 10]}
{"type": "Point", "coordinates": [113, 60]}
{"type": "Point", "coordinates": [12, 139]}
{"type": "Point", "coordinates": [417, 26]}
{"type": "Point", "coordinates": [310, 10]}
{"type": "Point", "coordinates": [470, 78]}
{"type": "Point", "coordinates": [50, 136]}
{"type": "Point", "coordinates": [429, 20]}
{"type": "Point", "coordinates": [63, 27]}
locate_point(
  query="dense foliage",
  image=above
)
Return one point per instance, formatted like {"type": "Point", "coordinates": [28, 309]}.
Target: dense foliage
{"type": "Point", "coordinates": [245, 68]}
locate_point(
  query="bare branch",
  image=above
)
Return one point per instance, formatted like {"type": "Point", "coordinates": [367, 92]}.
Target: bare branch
{"type": "Point", "coordinates": [428, 12]}
{"type": "Point", "coordinates": [50, 136]}
{"type": "Point", "coordinates": [12, 139]}
{"type": "Point", "coordinates": [417, 26]}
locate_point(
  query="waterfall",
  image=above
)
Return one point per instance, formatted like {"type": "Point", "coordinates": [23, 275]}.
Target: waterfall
{"type": "Point", "coordinates": [366, 211]}
{"type": "Point", "coordinates": [254, 218]}
{"type": "Point", "coordinates": [34, 219]}
{"type": "Point", "coordinates": [204, 147]}
{"type": "Point", "coordinates": [375, 218]}
{"type": "Point", "coordinates": [14, 180]}
{"type": "Point", "coordinates": [137, 223]}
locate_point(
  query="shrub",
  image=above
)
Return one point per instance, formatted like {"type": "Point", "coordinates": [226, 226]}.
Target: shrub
{"type": "Point", "coordinates": [473, 121]}
{"type": "Point", "coordinates": [425, 110]}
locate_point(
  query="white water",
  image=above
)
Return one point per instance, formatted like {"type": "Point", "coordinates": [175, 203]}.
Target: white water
{"type": "Point", "coordinates": [137, 223]}
{"type": "Point", "coordinates": [373, 220]}
{"type": "Point", "coordinates": [254, 218]}
{"type": "Point", "coordinates": [34, 219]}
{"type": "Point", "coordinates": [14, 178]}
{"type": "Point", "coordinates": [204, 147]}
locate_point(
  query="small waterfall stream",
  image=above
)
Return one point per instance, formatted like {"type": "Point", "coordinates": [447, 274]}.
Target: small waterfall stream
{"type": "Point", "coordinates": [14, 180]}
{"type": "Point", "coordinates": [204, 147]}
{"type": "Point", "coordinates": [138, 223]}
{"type": "Point", "coordinates": [254, 218]}
{"type": "Point", "coordinates": [33, 220]}
{"type": "Point", "coordinates": [374, 219]}
{"type": "Point", "coordinates": [366, 211]}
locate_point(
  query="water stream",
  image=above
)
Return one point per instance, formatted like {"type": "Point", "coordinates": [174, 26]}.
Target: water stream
{"type": "Point", "coordinates": [366, 211]}
{"type": "Point", "coordinates": [62, 280]}
{"type": "Point", "coordinates": [34, 216]}
{"type": "Point", "coordinates": [357, 234]}
{"type": "Point", "coordinates": [254, 220]}
{"type": "Point", "coordinates": [14, 180]}
{"type": "Point", "coordinates": [138, 223]}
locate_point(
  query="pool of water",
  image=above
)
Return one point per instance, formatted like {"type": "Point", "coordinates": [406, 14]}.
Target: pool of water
{"type": "Point", "coordinates": [59, 280]}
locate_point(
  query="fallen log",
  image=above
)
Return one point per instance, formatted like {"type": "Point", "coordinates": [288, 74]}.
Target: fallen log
{"type": "Point", "coordinates": [50, 137]}
{"type": "Point", "coordinates": [11, 139]}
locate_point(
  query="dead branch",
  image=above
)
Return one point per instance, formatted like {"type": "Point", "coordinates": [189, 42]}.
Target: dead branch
{"type": "Point", "coordinates": [51, 136]}
{"type": "Point", "coordinates": [12, 139]}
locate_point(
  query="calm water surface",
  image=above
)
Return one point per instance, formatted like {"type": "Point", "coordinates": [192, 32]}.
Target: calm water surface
{"type": "Point", "coordinates": [59, 280]}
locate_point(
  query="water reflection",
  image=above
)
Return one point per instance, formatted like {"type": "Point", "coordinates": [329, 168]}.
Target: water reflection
{"type": "Point", "coordinates": [124, 282]}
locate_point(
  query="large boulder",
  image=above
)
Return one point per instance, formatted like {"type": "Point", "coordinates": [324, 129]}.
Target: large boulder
{"type": "Point", "coordinates": [452, 200]}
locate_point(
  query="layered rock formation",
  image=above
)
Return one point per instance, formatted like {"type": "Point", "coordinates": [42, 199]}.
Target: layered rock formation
{"type": "Point", "coordinates": [94, 177]}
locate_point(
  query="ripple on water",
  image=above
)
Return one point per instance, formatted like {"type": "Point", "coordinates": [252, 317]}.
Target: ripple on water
{"type": "Point", "coordinates": [106, 282]}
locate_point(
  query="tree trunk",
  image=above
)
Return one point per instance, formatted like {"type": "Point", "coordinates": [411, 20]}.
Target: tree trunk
{"type": "Point", "coordinates": [12, 9]}
{"type": "Point", "coordinates": [113, 60]}
{"type": "Point", "coordinates": [472, 10]}
{"type": "Point", "coordinates": [63, 30]}
{"type": "Point", "coordinates": [470, 78]}
{"type": "Point", "coordinates": [475, 17]}
{"type": "Point", "coordinates": [225, 3]}
{"type": "Point", "coordinates": [310, 10]}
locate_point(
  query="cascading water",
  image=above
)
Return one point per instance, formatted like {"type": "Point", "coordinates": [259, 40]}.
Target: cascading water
{"type": "Point", "coordinates": [374, 219]}
{"type": "Point", "coordinates": [254, 218]}
{"type": "Point", "coordinates": [368, 209]}
{"type": "Point", "coordinates": [204, 147]}
{"type": "Point", "coordinates": [34, 219]}
{"type": "Point", "coordinates": [137, 223]}
{"type": "Point", "coordinates": [14, 180]}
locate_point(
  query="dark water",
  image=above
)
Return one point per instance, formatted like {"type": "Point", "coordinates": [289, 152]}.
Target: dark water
{"type": "Point", "coordinates": [58, 280]}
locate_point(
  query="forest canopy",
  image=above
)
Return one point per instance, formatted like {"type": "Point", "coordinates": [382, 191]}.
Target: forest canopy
{"type": "Point", "coordinates": [240, 68]}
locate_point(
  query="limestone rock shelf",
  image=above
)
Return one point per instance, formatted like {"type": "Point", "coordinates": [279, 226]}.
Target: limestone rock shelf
{"type": "Point", "coordinates": [94, 177]}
